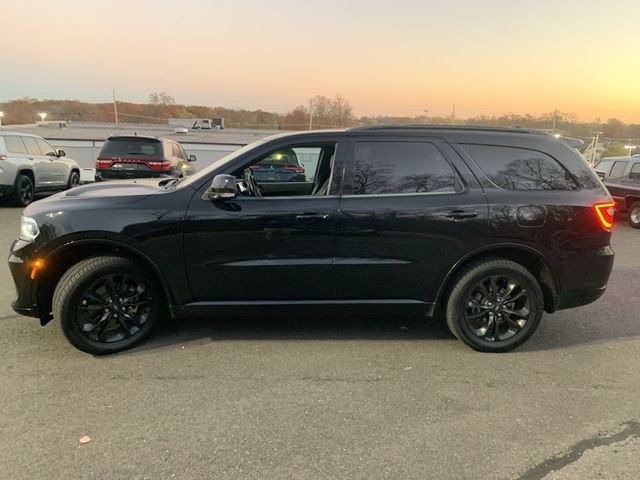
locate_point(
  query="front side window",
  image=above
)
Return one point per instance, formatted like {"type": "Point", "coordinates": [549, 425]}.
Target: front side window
{"type": "Point", "coordinates": [515, 168]}
{"type": "Point", "coordinates": [401, 168]}
{"type": "Point", "coordinates": [45, 148]}
{"type": "Point", "coordinates": [292, 171]}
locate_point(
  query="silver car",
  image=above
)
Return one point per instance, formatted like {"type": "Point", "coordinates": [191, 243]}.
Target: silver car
{"type": "Point", "coordinates": [29, 164]}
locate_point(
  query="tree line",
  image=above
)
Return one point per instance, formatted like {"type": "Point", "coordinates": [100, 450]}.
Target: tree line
{"type": "Point", "coordinates": [318, 112]}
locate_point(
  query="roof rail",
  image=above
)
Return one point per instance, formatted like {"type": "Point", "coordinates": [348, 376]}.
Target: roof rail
{"type": "Point", "coordinates": [474, 128]}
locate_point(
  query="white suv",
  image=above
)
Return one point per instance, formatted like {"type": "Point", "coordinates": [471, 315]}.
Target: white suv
{"type": "Point", "coordinates": [29, 164]}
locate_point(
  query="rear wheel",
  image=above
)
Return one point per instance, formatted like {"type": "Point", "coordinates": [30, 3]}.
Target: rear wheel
{"type": "Point", "coordinates": [634, 215]}
{"type": "Point", "coordinates": [23, 193]}
{"type": "Point", "coordinates": [107, 304]}
{"type": "Point", "coordinates": [494, 306]}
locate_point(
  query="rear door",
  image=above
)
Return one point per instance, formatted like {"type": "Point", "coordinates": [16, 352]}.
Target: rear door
{"type": "Point", "coordinates": [410, 210]}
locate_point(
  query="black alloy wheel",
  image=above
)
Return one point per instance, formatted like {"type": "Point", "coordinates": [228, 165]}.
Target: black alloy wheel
{"type": "Point", "coordinates": [23, 194]}
{"type": "Point", "coordinates": [494, 305]}
{"type": "Point", "coordinates": [107, 304]}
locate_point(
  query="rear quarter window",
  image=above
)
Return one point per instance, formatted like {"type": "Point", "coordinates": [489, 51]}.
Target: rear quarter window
{"type": "Point", "coordinates": [514, 168]}
{"type": "Point", "coordinates": [14, 144]}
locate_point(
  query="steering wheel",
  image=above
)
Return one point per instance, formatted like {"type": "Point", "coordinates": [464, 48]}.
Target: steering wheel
{"type": "Point", "coordinates": [254, 189]}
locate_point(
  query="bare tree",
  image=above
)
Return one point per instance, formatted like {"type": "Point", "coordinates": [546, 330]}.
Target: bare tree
{"type": "Point", "coordinates": [161, 98]}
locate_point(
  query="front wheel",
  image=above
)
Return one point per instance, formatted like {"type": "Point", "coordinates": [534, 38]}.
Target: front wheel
{"type": "Point", "coordinates": [495, 306]}
{"type": "Point", "coordinates": [74, 180]}
{"type": "Point", "coordinates": [107, 304]}
{"type": "Point", "coordinates": [634, 215]}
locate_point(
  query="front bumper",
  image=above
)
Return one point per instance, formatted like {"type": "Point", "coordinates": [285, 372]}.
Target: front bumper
{"type": "Point", "coordinates": [25, 302]}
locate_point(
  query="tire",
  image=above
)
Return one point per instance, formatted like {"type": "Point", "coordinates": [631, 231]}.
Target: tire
{"type": "Point", "coordinates": [477, 305]}
{"type": "Point", "coordinates": [634, 215]}
{"type": "Point", "coordinates": [74, 180]}
{"type": "Point", "coordinates": [23, 193]}
{"type": "Point", "coordinates": [107, 304]}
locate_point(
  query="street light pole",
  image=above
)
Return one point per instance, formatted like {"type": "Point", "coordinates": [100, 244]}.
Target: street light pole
{"type": "Point", "coordinates": [311, 114]}
{"type": "Point", "coordinates": [42, 116]}
{"type": "Point", "coordinates": [425, 115]}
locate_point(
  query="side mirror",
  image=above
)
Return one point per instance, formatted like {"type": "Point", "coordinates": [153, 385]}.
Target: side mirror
{"type": "Point", "coordinates": [61, 153]}
{"type": "Point", "coordinates": [192, 158]}
{"type": "Point", "coordinates": [223, 187]}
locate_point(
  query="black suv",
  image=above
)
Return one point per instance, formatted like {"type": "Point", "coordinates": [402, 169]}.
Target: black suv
{"type": "Point", "coordinates": [489, 226]}
{"type": "Point", "coordinates": [134, 156]}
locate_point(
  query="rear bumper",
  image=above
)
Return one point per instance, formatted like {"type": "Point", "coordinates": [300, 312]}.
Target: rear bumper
{"type": "Point", "coordinates": [107, 174]}
{"type": "Point", "coordinates": [584, 277]}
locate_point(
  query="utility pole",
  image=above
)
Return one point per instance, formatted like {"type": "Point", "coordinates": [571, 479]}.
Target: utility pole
{"type": "Point", "coordinates": [115, 105]}
{"type": "Point", "coordinates": [311, 114]}
{"type": "Point", "coordinates": [553, 127]}
{"type": "Point", "coordinates": [425, 115]}
{"type": "Point", "coordinates": [453, 115]}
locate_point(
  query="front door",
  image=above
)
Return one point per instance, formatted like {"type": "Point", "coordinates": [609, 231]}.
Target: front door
{"type": "Point", "coordinates": [277, 245]}
{"type": "Point", "coordinates": [409, 211]}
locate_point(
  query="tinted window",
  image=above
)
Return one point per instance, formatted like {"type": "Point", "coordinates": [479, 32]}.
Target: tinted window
{"type": "Point", "coordinates": [603, 166]}
{"type": "Point", "coordinates": [132, 147]}
{"type": "Point", "coordinates": [635, 171]}
{"type": "Point", "coordinates": [400, 167]}
{"type": "Point", "coordinates": [45, 148]}
{"type": "Point", "coordinates": [14, 144]}
{"type": "Point", "coordinates": [618, 169]}
{"type": "Point", "coordinates": [520, 168]}
{"type": "Point", "coordinates": [32, 145]}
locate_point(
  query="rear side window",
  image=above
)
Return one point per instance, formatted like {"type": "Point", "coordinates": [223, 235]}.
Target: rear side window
{"type": "Point", "coordinates": [14, 144]}
{"type": "Point", "coordinates": [634, 174]}
{"type": "Point", "coordinates": [520, 168]}
{"type": "Point", "coordinates": [618, 169]}
{"type": "Point", "coordinates": [401, 168]}
{"type": "Point", "coordinates": [32, 145]}
{"type": "Point", "coordinates": [132, 147]}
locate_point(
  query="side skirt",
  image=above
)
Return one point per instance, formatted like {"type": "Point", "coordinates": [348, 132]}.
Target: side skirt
{"type": "Point", "coordinates": [303, 307]}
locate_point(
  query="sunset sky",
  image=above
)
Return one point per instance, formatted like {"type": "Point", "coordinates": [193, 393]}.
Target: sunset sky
{"type": "Point", "coordinates": [386, 57]}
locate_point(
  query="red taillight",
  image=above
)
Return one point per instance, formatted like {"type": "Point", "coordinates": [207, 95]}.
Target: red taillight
{"type": "Point", "coordinates": [102, 163]}
{"type": "Point", "coordinates": [3, 157]}
{"type": "Point", "coordinates": [293, 168]}
{"type": "Point", "coordinates": [254, 167]}
{"type": "Point", "coordinates": [605, 213]}
{"type": "Point", "coordinates": [159, 165]}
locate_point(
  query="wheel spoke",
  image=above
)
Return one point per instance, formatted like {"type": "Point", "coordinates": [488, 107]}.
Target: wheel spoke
{"type": "Point", "coordinates": [514, 324]}
{"type": "Point", "coordinates": [483, 291]}
{"type": "Point", "coordinates": [494, 287]}
{"type": "Point", "coordinates": [517, 296]}
{"type": "Point", "coordinates": [520, 313]}
{"type": "Point", "coordinates": [473, 316]}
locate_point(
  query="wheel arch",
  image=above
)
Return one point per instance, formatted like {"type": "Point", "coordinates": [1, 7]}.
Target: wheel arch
{"type": "Point", "coordinates": [528, 257]}
{"type": "Point", "coordinates": [60, 259]}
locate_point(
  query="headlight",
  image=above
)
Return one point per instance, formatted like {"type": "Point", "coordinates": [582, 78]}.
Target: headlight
{"type": "Point", "coordinates": [28, 229]}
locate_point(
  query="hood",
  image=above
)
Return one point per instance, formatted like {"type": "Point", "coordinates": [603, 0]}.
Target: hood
{"type": "Point", "coordinates": [121, 188]}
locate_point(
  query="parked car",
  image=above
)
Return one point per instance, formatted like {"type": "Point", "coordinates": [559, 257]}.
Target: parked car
{"type": "Point", "coordinates": [29, 164]}
{"type": "Point", "coordinates": [282, 166]}
{"type": "Point", "coordinates": [133, 156]}
{"type": "Point", "coordinates": [490, 226]}
{"type": "Point", "coordinates": [623, 182]}
{"type": "Point", "coordinates": [611, 167]}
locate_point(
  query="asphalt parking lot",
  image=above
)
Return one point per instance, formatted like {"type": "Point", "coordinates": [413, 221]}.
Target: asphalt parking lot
{"type": "Point", "coordinates": [327, 397]}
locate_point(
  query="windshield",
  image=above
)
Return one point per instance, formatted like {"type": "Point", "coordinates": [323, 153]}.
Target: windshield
{"type": "Point", "coordinates": [196, 178]}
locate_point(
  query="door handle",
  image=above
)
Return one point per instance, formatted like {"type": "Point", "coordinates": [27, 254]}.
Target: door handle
{"type": "Point", "coordinates": [460, 214]}
{"type": "Point", "coordinates": [312, 217]}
